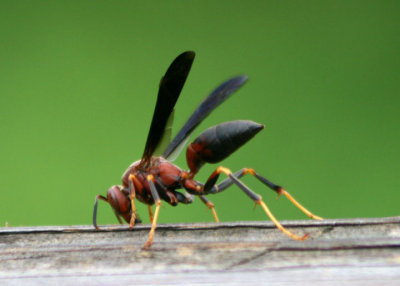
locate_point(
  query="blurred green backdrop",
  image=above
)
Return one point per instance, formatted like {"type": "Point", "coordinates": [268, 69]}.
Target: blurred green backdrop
{"type": "Point", "coordinates": [79, 79]}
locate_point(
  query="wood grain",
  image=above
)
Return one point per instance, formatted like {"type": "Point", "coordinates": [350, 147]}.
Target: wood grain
{"type": "Point", "coordinates": [362, 251]}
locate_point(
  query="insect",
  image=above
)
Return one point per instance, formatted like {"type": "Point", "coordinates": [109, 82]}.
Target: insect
{"type": "Point", "coordinates": [154, 179]}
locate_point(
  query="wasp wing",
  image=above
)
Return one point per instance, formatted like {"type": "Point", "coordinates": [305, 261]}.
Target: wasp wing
{"type": "Point", "coordinates": [219, 95]}
{"type": "Point", "coordinates": [166, 137]}
{"type": "Point", "coordinates": [170, 88]}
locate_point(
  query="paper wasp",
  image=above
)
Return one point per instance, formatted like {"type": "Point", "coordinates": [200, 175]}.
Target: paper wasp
{"type": "Point", "coordinates": [154, 179]}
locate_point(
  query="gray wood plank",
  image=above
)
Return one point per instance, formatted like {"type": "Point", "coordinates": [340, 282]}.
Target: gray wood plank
{"type": "Point", "coordinates": [361, 251]}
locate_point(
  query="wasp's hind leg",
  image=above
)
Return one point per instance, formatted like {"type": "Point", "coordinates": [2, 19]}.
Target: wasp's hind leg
{"type": "Point", "coordinates": [278, 189]}
{"type": "Point", "coordinates": [210, 187]}
{"type": "Point", "coordinates": [281, 191]}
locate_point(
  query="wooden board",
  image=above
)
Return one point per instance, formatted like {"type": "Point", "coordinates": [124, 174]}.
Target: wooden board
{"type": "Point", "coordinates": [345, 251]}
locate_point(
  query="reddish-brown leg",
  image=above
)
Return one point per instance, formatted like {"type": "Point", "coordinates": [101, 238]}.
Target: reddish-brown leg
{"type": "Point", "coordinates": [150, 213]}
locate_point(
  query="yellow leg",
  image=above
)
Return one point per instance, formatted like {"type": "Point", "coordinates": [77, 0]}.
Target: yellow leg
{"type": "Point", "coordinates": [297, 204]}
{"type": "Point", "coordinates": [211, 206]}
{"type": "Point", "coordinates": [153, 226]}
{"type": "Point", "coordinates": [132, 197]}
{"type": "Point", "coordinates": [271, 185]}
{"type": "Point", "coordinates": [259, 201]}
{"type": "Point", "coordinates": [278, 225]}
{"type": "Point", "coordinates": [215, 214]}
{"type": "Point", "coordinates": [133, 215]}
{"type": "Point", "coordinates": [157, 200]}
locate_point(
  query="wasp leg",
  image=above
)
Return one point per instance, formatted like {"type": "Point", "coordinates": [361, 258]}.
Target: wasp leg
{"type": "Point", "coordinates": [95, 209]}
{"type": "Point", "coordinates": [211, 206]}
{"type": "Point", "coordinates": [150, 213]}
{"type": "Point", "coordinates": [255, 197]}
{"type": "Point", "coordinates": [132, 195]}
{"type": "Point", "coordinates": [171, 196]}
{"type": "Point", "coordinates": [118, 218]}
{"type": "Point", "coordinates": [278, 189]}
{"type": "Point", "coordinates": [157, 200]}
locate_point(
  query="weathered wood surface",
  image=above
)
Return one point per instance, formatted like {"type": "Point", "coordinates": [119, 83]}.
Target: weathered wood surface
{"type": "Point", "coordinates": [346, 251]}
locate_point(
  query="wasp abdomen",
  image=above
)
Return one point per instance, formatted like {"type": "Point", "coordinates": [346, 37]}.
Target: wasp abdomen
{"type": "Point", "coordinates": [218, 142]}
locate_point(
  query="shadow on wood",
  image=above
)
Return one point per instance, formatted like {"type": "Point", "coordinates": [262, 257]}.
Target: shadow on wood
{"type": "Point", "coordinates": [352, 251]}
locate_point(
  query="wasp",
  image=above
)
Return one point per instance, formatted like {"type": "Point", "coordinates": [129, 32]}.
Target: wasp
{"type": "Point", "coordinates": [154, 178]}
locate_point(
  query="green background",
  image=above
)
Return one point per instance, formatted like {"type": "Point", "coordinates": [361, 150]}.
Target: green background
{"type": "Point", "coordinates": [78, 84]}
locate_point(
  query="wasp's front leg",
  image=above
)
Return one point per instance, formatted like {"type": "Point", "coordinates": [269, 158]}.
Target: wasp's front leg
{"type": "Point", "coordinates": [132, 196]}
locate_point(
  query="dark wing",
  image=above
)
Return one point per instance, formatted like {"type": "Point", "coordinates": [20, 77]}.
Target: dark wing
{"type": "Point", "coordinates": [170, 88]}
{"type": "Point", "coordinates": [166, 137]}
{"type": "Point", "coordinates": [209, 104]}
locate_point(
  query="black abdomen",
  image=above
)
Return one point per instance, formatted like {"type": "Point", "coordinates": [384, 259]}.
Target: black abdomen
{"type": "Point", "coordinates": [218, 142]}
